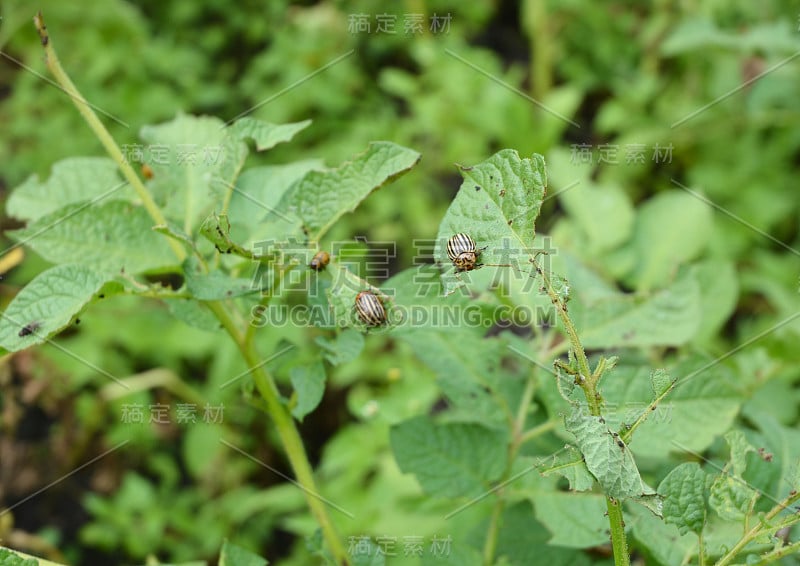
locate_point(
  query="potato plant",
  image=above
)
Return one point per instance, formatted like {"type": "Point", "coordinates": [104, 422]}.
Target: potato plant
{"type": "Point", "coordinates": [552, 415]}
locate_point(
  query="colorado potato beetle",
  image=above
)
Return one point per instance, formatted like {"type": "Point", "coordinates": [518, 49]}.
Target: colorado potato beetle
{"type": "Point", "coordinates": [370, 309]}
{"type": "Point", "coordinates": [320, 260]}
{"type": "Point", "coordinates": [463, 252]}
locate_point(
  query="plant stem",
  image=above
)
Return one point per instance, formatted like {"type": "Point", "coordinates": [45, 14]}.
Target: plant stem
{"type": "Point", "coordinates": [524, 405]}
{"type": "Point", "coordinates": [517, 436]}
{"type": "Point", "coordinates": [287, 431]}
{"type": "Point", "coordinates": [589, 386]}
{"type": "Point", "coordinates": [490, 546]}
{"type": "Point", "coordinates": [778, 553]}
{"type": "Point", "coordinates": [627, 434]}
{"type": "Point", "coordinates": [534, 14]}
{"type": "Point", "coordinates": [758, 528]}
{"type": "Point", "coordinates": [618, 542]}
{"type": "Point", "coordinates": [701, 554]}
{"type": "Point", "coordinates": [100, 131]}
{"type": "Point", "coordinates": [539, 430]}
{"type": "Point", "coordinates": [589, 381]}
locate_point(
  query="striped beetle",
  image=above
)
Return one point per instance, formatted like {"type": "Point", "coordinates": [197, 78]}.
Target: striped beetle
{"type": "Point", "coordinates": [463, 252]}
{"type": "Point", "coordinates": [320, 260]}
{"type": "Point", "coordinates": [370, 309]}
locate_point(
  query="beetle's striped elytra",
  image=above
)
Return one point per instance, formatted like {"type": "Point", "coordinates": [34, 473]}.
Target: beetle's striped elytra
{"type": "Point", "coordinates": [370, 309]}
{"type": "Point", "coordinates": [463, 252]}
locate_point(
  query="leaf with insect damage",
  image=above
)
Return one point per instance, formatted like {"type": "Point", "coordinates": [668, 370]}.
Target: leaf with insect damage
{"type": "Point", "coordinates": [49, 303]}
{"type": "Point", "coordinates": [607, 457]}
{"type": "Point", "coordinates": [497, 206]}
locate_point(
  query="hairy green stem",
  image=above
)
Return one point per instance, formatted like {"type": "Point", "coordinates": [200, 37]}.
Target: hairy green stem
{"type": "Point", "coordinates": [287, 431]}
{"type": "Point", "coordinates": [701, 553]}
{"type": "Point", "coordinates": [627, 434]}
{"type": "Point", "coordinates": [779, 553]}
{"type": "Point", "coordinates": [759, 527]}
{"type": "Point", "coordinates": [588, 384]}
{"type": "Point", "coordinates": [619, 544]}
{"type": "Point", "coordinates": [589, 381]}
{"type": "Point", "coordinates": [100, 131]}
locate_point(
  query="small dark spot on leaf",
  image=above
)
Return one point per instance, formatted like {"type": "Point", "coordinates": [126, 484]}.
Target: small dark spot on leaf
{"type": "Point", "coordinates": [477, 188]}
{"type": "Point", "coordinates": [502, 192]}
{"type": "Point", "coordinates": [29, 329]}
{"type": "Point", "coordinates": [229, 292]}
{"type": "Point", "coordinates": [602, 420]}
{"type": "Point", "coordinates": [101, 296]}
{"type": "Point", "coordinates": [510, 222]}
{"type": "Point", "coordinates": [77, 321]}
{"type": "Point", "coordinates": [486, 206]}
{"type": "Point", "coordinates": [45, 40]}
